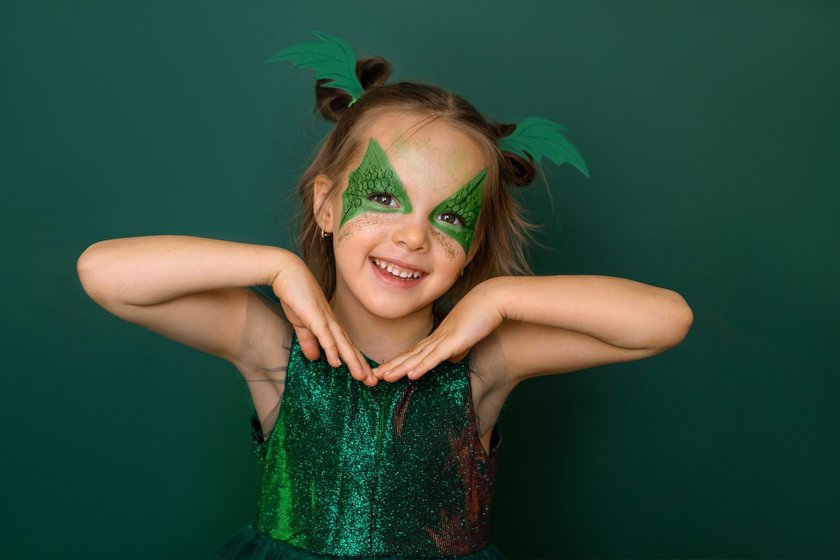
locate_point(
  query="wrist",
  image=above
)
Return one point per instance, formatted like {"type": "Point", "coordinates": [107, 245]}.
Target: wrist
{"type": "Point", "coordinates": [279, 261]}
{"type": "Point", "coordinates": [496, 291]}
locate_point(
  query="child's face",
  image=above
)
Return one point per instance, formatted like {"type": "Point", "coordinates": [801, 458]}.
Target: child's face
{"type": "Point", "coordinates": [404, 214]}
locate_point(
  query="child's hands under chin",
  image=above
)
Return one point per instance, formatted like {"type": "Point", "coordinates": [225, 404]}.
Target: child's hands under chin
{"type": "Point", "coordinates": [315, 324]}
{"type": "Point", "coordinates": [472, 319]}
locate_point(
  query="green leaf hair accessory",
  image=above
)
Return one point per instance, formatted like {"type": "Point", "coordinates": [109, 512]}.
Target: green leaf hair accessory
{"type": "Point", "coordinates": [333, 60]}
{"type": "Point", "coordinates": [536, 137]}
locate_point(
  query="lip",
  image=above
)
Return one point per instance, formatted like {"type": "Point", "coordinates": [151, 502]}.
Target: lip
{"type": "Point", "coordinates": [401, 264]}
{"type": "Point", "coordinates": [395, 280]}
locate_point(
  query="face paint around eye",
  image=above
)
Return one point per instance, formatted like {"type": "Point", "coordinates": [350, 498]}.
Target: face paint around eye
{"type": "Point", "coordinates": [374, 175]}
{"type": "Point", "coordinates": [466, 204]}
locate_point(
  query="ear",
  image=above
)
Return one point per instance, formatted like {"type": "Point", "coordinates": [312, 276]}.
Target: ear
{"type": "Point", "coordinates": [322, 201]}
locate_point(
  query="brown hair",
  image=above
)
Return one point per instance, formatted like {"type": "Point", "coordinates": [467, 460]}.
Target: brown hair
{"type": "Point", "coordinates": [502, 232]}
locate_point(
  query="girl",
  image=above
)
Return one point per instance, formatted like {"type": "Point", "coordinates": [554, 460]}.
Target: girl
{"type": "Point", "coordinates": [379, 369]}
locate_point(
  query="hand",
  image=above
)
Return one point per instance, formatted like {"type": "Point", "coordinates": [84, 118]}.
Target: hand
{"type": "Point", "coordinates": [472, 319]}
{"type": "Point", "coordinates": [314, 322]}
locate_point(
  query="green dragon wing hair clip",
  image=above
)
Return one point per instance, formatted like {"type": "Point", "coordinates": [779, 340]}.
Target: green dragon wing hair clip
{"type": "Point", "coordinates": [536, 137]}
{"type": "Point", "coordinates": [333, 60]}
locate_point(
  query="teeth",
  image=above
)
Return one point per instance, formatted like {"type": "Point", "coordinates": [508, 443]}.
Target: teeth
{"type": "Point", "coordinates": [397, 271]}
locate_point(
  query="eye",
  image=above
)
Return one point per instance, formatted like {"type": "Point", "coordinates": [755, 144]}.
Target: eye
{"type": "Point", "coordinates": [450, 218]}
{"type": "Point", "coordinates": [384, 199]}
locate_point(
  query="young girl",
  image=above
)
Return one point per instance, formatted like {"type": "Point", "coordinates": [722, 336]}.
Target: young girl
{"type": "Point", "coordinates": [378, 371]}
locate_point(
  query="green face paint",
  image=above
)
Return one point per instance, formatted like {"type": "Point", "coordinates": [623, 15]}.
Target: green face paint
{"type": "Point", "coordinates": [457, 215]}
{"type": "Point", "coordinates": [373, 176]}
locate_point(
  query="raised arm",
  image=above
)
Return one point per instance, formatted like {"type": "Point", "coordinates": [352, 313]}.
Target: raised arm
{"type": "Point", "coordinates": [189, 289]}
{"type": "Point", "coordinates": [193, 290]}
{"type": "Point", "coordinates": [551, 324]}
{"type": "Point", "coordinates": [557, 324]}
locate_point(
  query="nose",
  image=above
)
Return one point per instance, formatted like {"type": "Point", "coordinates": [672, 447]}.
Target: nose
{"type": "Point", "coordinates": [411, 235]}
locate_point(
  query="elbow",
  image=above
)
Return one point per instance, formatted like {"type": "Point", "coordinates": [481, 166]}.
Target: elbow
{"type": "Point", "coordinates": [677, 321]}
{"type": "Point", "coordinates": [84, 268]}
{"type": "Point", "coordinates": [89, 268]}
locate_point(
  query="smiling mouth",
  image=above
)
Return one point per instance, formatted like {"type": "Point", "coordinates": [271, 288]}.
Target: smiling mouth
{"type": "Point", "coordinates": [397, 271]}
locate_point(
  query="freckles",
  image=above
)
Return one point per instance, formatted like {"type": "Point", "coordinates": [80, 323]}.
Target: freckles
{"type": "Point", "coordinates": [360, 222]}
{"type": "Point", "coordinates": [449, 245]}
{"type": "Point", "coordinates": [347, 230]}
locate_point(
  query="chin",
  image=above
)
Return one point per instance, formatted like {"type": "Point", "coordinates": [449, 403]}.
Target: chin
{"type": "Point", "coordinates": [386, 310]}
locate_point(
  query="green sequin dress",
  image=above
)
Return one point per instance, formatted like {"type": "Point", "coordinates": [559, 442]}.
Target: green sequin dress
{"type": "Point", "coordinates": [391, 471]}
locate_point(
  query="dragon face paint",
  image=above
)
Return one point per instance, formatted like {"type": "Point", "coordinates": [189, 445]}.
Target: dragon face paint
{"type": "Point", "coordinates": [457, 216]}
{"type": "Point", "coordinates": [374, 175]}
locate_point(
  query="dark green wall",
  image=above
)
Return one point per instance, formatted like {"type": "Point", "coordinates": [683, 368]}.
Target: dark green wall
{"type": "Point", "coordinates": [711, 129]}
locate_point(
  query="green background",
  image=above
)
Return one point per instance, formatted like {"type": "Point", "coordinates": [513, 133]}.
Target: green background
{"type": "Point", "coordinates": [710, 128]}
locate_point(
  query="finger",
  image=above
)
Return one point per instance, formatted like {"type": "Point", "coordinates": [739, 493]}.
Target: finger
{"type": "Point", "coordinates": [402, 369]}
{"type": "Point", "coordinates": [397, 361]}
{"type": "Point", "coordinates": [422, 364]}
{"type": "Point", "coordinates": [366, 373]}
{"type": "Point", "coordinates": [358, 366]}
{"type": "Point", "coordinates": [325, 337]}
{"type": "Point", "coordinates": [407, 363]}
{"type": "Point", "coordinates": [308, 343]}
{"type": "Point", "coordinates": [459, 356]}
{"type": "Point", "coordinates": [394, 364]}
{"type": "Point", "coordinates": [351, 356]}
{"type": "Point", "coordinates": [370, 379]}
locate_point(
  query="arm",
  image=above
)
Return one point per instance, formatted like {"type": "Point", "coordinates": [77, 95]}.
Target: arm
{"type": "Point", "coordinates": [557, 324]}
{"type": "Point", "coordinates": [192, 290]}
{"type": "Point", "coordinates": [553, 324]}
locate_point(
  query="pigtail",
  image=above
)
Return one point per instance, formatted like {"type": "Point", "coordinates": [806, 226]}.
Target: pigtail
{"type": "Point", "coordinates": [333, 102]}
{"type": "Point", "coordinates": [516, 170]}
{"type": "Point", "coordinates": [373, 71]}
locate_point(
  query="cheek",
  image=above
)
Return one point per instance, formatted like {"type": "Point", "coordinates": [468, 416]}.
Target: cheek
{"type": "Point", "coordinates": [450, 247]}
{"type": "Point", "coordinates": [365, 223]}
{"type": "Point", "coordinates": [347, 230]}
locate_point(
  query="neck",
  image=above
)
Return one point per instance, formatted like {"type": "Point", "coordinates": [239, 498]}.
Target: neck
{"type": "Point", "coordinates": [381, 338]}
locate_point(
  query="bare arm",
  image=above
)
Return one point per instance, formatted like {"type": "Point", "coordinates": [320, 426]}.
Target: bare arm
{"type": "Point", "coordinates": [192, 290]}
{"type": "Point", "coordinates": [525, 326]}
{"type": "Point", "coordinates": [556, 324]}
{"type": "Point", "coordinates": [551, 324]}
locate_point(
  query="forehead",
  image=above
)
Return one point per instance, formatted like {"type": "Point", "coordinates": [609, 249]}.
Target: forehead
{"type": "Point", "coordinates": [428, 155]}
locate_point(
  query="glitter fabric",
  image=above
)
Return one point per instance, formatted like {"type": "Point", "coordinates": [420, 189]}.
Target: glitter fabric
{"type": "Point", "coordinates": [249, 544]}
{"type": "Point", "coordinates": [393, 470]}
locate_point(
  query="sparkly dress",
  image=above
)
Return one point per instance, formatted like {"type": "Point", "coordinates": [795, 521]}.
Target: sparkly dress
{"type": "Point", "coordinates": [391, 471]}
